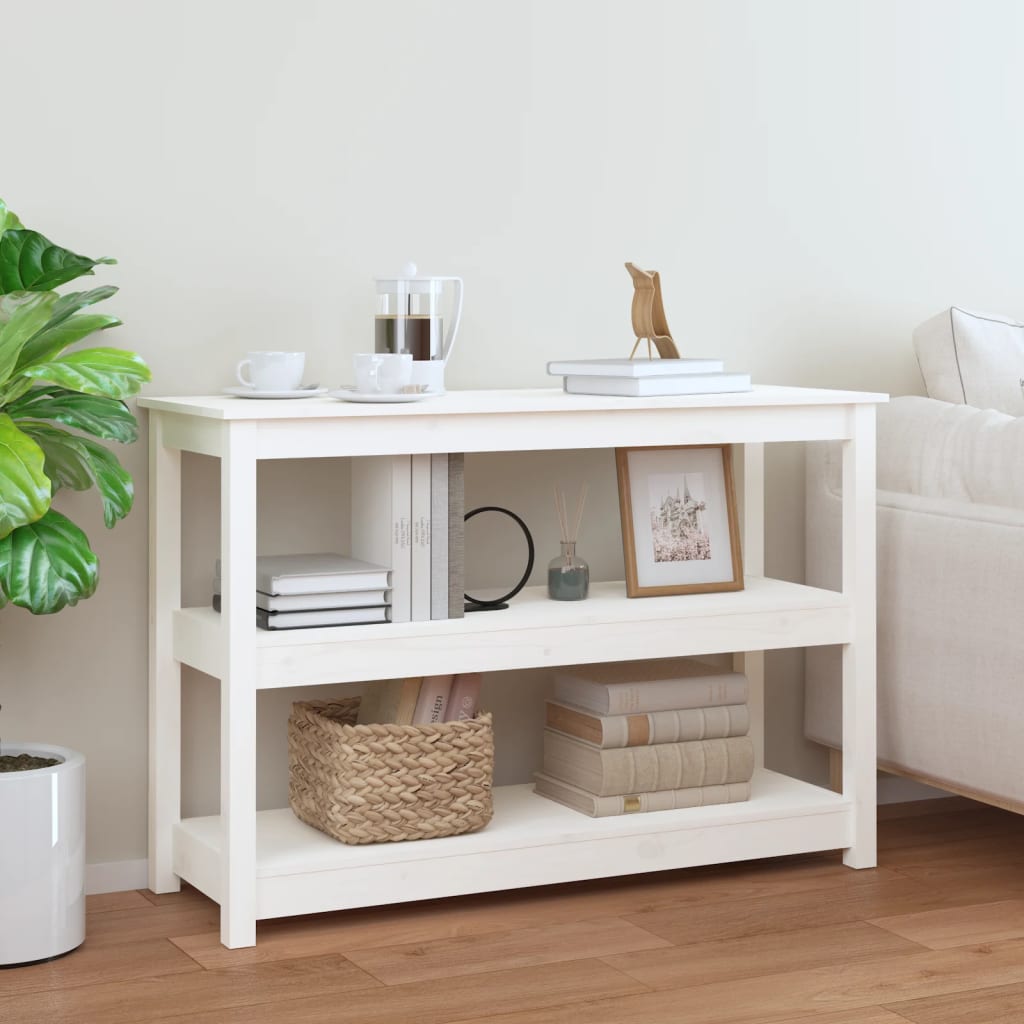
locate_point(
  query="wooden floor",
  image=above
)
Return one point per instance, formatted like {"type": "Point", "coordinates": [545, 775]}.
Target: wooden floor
{"type": "Point", "coordinates": [933, 936]}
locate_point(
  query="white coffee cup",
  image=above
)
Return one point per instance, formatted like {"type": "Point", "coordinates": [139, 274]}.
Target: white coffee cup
{"type": "Point", "coordinates": [272, 371]}
{"type": "Point", "coordinates": [382, 373]}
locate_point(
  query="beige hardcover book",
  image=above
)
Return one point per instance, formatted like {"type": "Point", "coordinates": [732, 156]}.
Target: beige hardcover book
{"type": "Point", "coordinates": [433, 700]}
{"type": "Point", "coordinates": [675, 726]}
{"type": "Point", "coordinates": [635, 803]}
{"type": "Point", "coordinates": [390, 700]}
{"type": "Point", "coordinates": [632, 687]}
{"type": "Point", "coordinates": [647, 769]}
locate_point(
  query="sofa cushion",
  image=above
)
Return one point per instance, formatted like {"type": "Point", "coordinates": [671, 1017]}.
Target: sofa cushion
{"type": "Point", "coordinates": [972, 358]}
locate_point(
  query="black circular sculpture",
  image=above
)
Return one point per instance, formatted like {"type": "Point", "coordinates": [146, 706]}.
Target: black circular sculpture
{"type": "Point", "coordinates": [475, 604]}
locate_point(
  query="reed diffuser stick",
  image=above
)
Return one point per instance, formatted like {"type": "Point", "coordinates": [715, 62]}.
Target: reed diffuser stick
{"type": "Point", "coordinates": [579, 512]}
{"type": "Point", "coordinates": [569, 529]}
{"type": "Point", "coordinates": [563, 527]}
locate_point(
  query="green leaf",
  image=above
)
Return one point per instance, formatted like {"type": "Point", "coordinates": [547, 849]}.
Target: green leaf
{"type": "Point", "coordinates": [48, 343]}
{"type": "Point", "coordinates": [56, 334]}
{"type": "Point", "coordinates": [10, 303]}
{"type": "Point", "coordinates": [102, 417]}
{"type": "Point", "coordinates": [25, 321]}
{"type": "Point", "coordinates": [79, 462]}
{"type": "Point", "coordinates": [24, 488]}
{"type": "Point", "coordinates": [7, 218]}
{"type": "Point", "coordinates": [29, 261]}
{"type": "Point", "coordinates": [110, 372]}
{"type": "Point", "coordinates": [14, 389]}
{"type": "Point", "coordinates": [47, 565]}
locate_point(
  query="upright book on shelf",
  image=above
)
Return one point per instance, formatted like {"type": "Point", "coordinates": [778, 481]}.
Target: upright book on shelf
{"type": "Point", "coordinates": [456, 534]}
{"type": "Point", "coordinates": [381, 528]}
{"type": "Point", "coordinates": [421, 538]}
{"type": "Point", "coordinates": [664, 684]}
{"type": "Point", "coordinates": [390, 701]}
{"type": "Point", "coordinates": [464, 697]}
{"type": "Point", "coordinates": [439, 536]}
{"type": "Point", "coordinates": [433, 700]}
{"type": "Point", "coordinates": [633, 803]}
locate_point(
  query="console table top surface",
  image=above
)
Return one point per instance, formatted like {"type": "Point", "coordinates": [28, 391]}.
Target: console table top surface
{"type": "Point", "coordinates": [505, 402]}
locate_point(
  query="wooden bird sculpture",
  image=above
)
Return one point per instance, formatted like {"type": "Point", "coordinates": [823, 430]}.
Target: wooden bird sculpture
{"type": "Point", "coordinates": [648, 314]}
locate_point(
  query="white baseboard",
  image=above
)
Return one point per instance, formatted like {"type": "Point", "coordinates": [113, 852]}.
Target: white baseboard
{"type": "Point", "coordinates": [116, 876]}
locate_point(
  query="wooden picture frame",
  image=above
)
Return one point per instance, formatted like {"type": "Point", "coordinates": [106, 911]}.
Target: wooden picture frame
{"type": "Point", "coordinates": [680, 529]}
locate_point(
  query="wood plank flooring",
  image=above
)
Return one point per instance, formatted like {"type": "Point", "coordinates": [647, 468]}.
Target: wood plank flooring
{"type": "Point", "coordinates": [935, 935]}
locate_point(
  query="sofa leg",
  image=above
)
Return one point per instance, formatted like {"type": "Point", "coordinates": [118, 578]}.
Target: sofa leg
{"type": "Point", "coordinates": [835, 770]}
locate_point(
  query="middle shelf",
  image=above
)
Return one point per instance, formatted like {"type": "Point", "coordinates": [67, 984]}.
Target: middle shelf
{"type": "Point", "coordinates": [534, 632]}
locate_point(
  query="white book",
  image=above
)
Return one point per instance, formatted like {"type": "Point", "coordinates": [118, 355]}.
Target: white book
{"type": "Point", "coordinates": [439, 536]}
{"type": "Point", "coordinates": [316, 602]}
{"type": "Point", "coordinates": [631, 687]}
{"type": "Point", "coordinates": [647, 387]}
{"type": "Point", "coordinates": [314, 573]}
{"type": "Point", "coordinates": [634, 367]}
{"type": "Point", "coordinates": [456, 532]}
{"type": "Point", "coordinates": [421, 575]}
{"type": "Point", "coordinates": [381, 528]}
{"type": "Point", "coordinates": [324, 617]}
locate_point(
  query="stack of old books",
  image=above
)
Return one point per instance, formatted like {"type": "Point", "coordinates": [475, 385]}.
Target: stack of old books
{"type": "Point", "coordinates": [321, 589]}
{"type": "Point", "coordinates": [647, 736]}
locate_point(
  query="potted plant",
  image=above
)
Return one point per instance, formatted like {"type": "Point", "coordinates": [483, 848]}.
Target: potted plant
{"type": "Point", "coordinates": [59, 409]}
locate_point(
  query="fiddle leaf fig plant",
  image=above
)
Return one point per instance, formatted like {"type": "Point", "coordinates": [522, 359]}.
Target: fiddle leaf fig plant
{"type": "Point", "coordinates": [57, 410]}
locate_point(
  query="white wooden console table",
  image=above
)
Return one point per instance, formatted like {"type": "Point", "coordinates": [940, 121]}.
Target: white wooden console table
{"type": "Point", "coordinates": [267, 864]}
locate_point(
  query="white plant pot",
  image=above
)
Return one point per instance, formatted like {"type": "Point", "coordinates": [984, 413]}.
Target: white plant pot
{"type": "Point", "coordinates": [42, 857]}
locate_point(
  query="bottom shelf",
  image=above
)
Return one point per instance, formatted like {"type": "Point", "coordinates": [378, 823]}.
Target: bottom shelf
{"type": "Point", "coordinates": [530, 841]}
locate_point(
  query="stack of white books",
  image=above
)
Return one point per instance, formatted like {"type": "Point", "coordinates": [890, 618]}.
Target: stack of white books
{"type": "Point", "coordinates": [643, 378]}
{"type": "Point", "coordinates": [321, 589]}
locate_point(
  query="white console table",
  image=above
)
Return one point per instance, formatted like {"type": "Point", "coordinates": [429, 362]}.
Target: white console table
{"type": "Point", "coordinates": [267, 864]}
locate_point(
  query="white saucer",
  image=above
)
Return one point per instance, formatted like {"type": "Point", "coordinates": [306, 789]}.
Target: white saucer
{"type": "Point", "coordinates": [351, 395]}
{"type": "Point", "coordinates": [243, 392]}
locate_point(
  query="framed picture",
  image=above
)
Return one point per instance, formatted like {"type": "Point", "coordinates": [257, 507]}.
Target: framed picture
{"type": "Point", "coordinates": [679, 522]}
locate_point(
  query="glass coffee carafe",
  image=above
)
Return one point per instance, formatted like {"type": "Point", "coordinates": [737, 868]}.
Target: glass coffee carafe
{"type": "Point", "coordinates": [411, 316]}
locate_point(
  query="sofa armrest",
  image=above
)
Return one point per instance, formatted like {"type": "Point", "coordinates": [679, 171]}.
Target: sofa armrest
{"type": "Point", "coordinates": [939, 460]}
{"type": "Point", "coordinates": [951, 452]}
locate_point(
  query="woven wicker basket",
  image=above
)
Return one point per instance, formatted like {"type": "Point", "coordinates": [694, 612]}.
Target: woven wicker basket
{"type": "Point", "coordinates": [383, 783]}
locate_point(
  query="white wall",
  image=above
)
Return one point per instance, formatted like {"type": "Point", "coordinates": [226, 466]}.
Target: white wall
{"type": "Point", "coordinates": [811, 177]}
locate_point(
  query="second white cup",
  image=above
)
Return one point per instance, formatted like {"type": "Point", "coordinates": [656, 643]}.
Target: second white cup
{"type": "Point", "coordinates": [382, 373]}
{"type": "Point", "coordinates": [272, 371]}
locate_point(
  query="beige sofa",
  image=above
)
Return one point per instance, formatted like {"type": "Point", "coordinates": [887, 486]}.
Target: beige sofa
{"type": "Point", "coordinates": [950, 567]}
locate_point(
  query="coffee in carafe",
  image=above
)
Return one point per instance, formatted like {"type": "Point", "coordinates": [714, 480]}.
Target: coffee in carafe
{"type": "Point", "coordinates": [411, 315]}
{"type": "Point", "coordinates": [418, 334]}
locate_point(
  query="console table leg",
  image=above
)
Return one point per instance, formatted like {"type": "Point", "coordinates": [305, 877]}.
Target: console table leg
{"type": "Point", "coordinates": [859, 734]}
{"type": "Point", "coordinates": [164, 670]}
{"type": "Point", "coordinates": [238, 688]}
{"type": "Point", "coordinates": [752, 662]}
